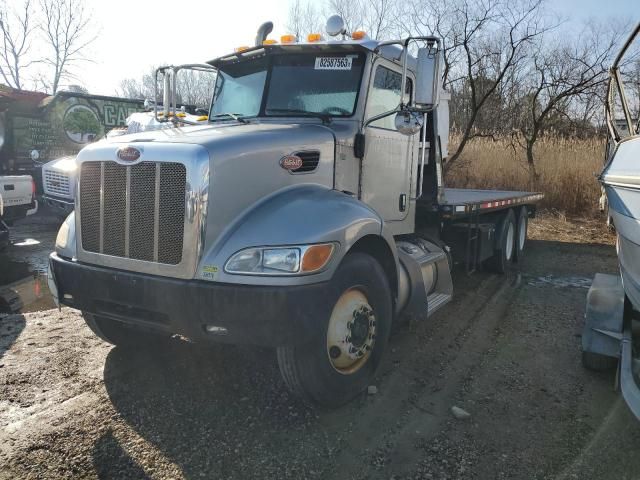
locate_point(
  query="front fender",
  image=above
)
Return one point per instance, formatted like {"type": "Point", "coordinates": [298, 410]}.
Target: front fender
{"type": "Point", "coordinates": [302, 214]}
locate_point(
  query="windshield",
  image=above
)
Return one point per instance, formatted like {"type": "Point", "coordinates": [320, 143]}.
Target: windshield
{"type": "Point", "coordinates": [289, 85]}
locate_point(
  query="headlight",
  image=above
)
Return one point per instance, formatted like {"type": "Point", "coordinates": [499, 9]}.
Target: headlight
{"type": "Point", "coordinates": [63, 235]}
{"type": "Point", "coordinates": [298, 259]}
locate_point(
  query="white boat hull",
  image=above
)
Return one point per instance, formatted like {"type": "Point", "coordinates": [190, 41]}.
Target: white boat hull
{"type": "Point", "coordinates": [622, 184]}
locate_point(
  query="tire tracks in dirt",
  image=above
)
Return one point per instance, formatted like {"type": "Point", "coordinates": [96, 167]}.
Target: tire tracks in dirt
{"type": "Point", "coordinates": [419, 386]}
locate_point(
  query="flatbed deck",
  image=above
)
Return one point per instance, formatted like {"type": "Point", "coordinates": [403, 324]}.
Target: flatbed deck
{"type": "Point", "coordinates": [457, 202]}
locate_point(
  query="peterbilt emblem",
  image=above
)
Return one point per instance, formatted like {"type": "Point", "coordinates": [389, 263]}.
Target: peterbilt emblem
{"type": "Point", "coordinates": [128, 154]}
{"type": "Point", "coordinates": [291, 162]}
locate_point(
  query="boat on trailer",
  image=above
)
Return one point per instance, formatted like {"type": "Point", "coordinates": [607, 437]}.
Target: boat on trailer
{"type": "Point", "coordinates": [613, 301]}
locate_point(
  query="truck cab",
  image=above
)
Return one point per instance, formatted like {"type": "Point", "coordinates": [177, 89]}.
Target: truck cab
{"type": "Point", "coordinates": [307, 214]}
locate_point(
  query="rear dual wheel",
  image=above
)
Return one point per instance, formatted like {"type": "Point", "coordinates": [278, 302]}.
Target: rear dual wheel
{"type": "Point", "coordinates": [513, 237]}
{"type": "Point", "coordinates": [346, 349]}
{"type": "Point", "coordinates": [521, 233]}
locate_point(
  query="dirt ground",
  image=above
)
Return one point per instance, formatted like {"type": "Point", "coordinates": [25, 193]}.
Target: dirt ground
{"type": "Point", "coordinates": [506, 350]}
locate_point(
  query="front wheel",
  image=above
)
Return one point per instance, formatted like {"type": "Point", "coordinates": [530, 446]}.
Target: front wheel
{"type": "Point", "coordinates": [340, 360]}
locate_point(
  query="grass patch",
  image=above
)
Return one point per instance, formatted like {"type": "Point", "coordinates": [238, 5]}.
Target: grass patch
{"type": "Point", "coordinates": [567, 170]}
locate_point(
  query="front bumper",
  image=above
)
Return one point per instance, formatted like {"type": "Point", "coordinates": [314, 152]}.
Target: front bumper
{"type": "Point", "coordinates": [258, 315]}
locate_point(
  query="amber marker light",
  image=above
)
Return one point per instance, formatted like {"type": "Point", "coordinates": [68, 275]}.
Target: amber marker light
{"type": "Point", "coordinates": [358, 35]}
{"type": "Point", "coordinates": [316, 257]}
{"type": "Point", "coordinates": [240, 49]}
{"type": "Point", "coordinates": [269, 41]}
{"type": "Point", "coordinates": [314, 37]}
{"type": "Point", "coordinates": [287, 39]}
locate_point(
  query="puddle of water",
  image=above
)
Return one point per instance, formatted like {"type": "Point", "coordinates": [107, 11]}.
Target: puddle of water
{"type": "Point", "coordinates": [561, 282]}
{"type": "Point", "coordinates": [28, 294]}
{"type": "Point", "coordinates": [27, 242]}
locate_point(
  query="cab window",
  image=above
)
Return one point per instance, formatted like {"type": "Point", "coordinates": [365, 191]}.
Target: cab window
{"type": "Point", "coordinates": [385, 96]}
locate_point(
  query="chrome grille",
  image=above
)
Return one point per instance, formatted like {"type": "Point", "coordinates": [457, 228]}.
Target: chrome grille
{"type": "Point", "coordinates": [57, 183]}
{"type": "Point", "coordinates": [133, 211]}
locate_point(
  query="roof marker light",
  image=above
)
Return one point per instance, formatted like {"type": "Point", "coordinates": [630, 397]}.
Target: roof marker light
{"type": "Point", "coordinates": [240, 49]}
{"type": "Point", "coordinates": [269, 41]}
{"type": "Point", "coordinates": [288, 39]}
{"type": "Point", "coordinates": [314, 37]}
{"type": "Point", "coordinates": [358, 35]}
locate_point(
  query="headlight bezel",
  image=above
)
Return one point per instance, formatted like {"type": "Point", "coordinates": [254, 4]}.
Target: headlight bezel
{"type": "Point", "coordinates": [272, 272]}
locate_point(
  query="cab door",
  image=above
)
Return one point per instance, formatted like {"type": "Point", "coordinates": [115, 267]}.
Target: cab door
{"type": "Point", "coordinates": [386, 168]}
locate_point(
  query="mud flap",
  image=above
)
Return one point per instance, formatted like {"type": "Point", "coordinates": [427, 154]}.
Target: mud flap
{"type": "Point", "coordinates": [604, 317]}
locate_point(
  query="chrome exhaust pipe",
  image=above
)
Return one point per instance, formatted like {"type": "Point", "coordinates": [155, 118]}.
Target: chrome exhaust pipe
{"type": "Point", "coordinates": [263, 32]}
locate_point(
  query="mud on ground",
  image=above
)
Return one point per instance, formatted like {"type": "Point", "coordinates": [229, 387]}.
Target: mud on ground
{"type": "Point", "coordinates": [506, 350]}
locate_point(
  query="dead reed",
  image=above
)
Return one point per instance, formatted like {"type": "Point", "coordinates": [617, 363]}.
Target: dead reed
{"type": "Point", "coordinates": [566, 170]}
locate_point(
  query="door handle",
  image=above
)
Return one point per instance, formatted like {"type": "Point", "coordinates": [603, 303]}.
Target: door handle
{"type": "Point", "coordinates": [402, 202]}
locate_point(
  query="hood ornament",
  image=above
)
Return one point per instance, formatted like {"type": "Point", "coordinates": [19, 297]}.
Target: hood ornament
{"type": "Point", "coordinates": [128, 154]}
{"type": "Point", "coordinates": [291, 162]}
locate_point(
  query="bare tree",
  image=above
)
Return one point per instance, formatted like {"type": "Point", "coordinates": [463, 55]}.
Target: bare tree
{"type": "Point", "coordinates": [434, 17]}
{"type": "Point", "coordinates": [16, 29]}
{"type": "Point", "coordinates": [142, 88]}
{"type": "Point", "coordinates": [130, 88]}
{"type": "Point", "coordinates": [67, 32]}
{"type": "Point", "coordinates": [378, 18]}
{"type": "Point", "coordinates": [303, 19]}
{"type": "Point", "coordinates": [562, 83]}
{"type": "Point", "coordinates": [196, 87]}
{"type": "Point", "coordinates": [493, 36]}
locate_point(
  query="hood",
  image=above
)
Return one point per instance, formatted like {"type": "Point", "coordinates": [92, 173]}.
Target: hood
{"type": "Point", "coordinates": [213, 133]}
{"type": "Point", "coordinates": [244, 162]}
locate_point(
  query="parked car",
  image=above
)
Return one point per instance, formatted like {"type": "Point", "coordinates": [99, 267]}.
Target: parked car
{"type": "Point", "coordinates": [18, 197]}
{"type": "Point", "coordinates": [17, 200]}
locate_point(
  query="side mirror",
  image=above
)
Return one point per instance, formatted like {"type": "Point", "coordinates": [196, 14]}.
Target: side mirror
{"type": "Point", "coordinates": [407, 122]}
{"type": "Point", "coordinates": [427, 78]}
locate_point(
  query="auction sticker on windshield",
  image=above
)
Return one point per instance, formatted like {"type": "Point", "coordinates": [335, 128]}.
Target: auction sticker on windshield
{"type": "Point", "coordinates": [333, 63]}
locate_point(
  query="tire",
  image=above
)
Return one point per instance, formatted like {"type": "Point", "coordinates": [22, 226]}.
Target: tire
{"type": "Point", "coordinates": [597, 362]}
{"type": "Point", "coordinates": [522, 226]}
{"type": "Point", "coordinates": [504, 254]}
{"type": "Point", "coordinates": [119, 334]}
{"type": "Point", "coordinates": [325, 371]}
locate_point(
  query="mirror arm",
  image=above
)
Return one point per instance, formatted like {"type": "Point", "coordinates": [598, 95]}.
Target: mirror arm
{"type": "Point", "coordinates": [423, 147]}
{"type": "Point", "coordinates": [370, 120]}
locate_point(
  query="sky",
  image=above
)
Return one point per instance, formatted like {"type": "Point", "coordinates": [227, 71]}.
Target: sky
{"type": "Point", "coordinates": [136, 34]}
{"type": "Point", "coordinates": [133, 35]}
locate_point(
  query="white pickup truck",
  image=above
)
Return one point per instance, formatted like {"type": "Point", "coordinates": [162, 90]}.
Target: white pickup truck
{"type": "Point", "coordinates": [17, 200]}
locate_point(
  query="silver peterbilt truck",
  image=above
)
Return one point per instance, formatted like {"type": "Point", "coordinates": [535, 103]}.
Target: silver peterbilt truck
{"type": "Point", "coordinates": [308, 214]}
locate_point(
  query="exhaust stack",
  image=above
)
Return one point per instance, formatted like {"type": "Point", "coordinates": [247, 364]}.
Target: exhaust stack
{"type": "Point", "coordinates": [263, 32]}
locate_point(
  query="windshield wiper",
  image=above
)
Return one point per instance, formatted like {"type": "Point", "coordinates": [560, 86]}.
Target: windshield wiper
{"type": "Point", "coordinates": [326, 118]}
{"type": "Point", "coordinates": [235, 116]}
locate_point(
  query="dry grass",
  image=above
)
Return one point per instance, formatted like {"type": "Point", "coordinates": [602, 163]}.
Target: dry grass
{"type": "Point", "coordinates": [554, 226]}
{"type": "Point", "coordinates": [566, 168]}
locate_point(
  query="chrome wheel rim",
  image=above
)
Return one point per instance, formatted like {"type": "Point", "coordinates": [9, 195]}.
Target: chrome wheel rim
{"type": "Point", "coordinates": [509, 246]}
{"type": "Point", "coordinates": [351, 334]}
